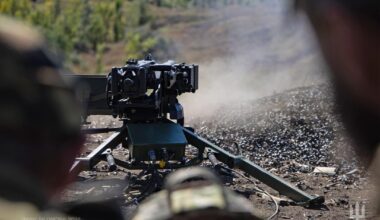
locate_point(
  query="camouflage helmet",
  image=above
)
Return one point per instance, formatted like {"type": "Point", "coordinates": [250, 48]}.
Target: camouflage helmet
{"type": "Point", "coordinates": [195, 193]}
{"type": "Point", "coordinates": [35, 103]}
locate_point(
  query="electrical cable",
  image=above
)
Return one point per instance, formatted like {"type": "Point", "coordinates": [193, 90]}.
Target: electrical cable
{"type": "Point", "coordinates": [258, 189]}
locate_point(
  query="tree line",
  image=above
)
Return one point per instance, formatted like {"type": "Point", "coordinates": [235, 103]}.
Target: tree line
{"type": "Point", "coordinates": [75, 26]}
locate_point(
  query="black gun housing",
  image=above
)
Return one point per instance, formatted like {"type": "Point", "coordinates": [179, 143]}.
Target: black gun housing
{"type": "Point", "coordinates": [143, 90]}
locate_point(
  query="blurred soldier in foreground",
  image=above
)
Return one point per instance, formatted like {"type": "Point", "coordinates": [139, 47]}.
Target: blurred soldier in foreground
{"type": "Point", "coordinates": [40, 129]}
{"type": "Point", "coordinates": [349, 35]}
{"type": "Point", "coordinates": [196, 193]}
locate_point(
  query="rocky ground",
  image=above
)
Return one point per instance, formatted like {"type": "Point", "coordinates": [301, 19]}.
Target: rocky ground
{"type": "Point", "coordinates": [289, 134]}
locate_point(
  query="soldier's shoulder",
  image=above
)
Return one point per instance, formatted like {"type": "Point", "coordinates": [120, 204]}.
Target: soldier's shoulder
{"type": "Point", "coordinates": [18, 36]}
{"type": "Point", "coordinates": [186, 198]}
{"type": "Point", "coordinates": [27, 211]}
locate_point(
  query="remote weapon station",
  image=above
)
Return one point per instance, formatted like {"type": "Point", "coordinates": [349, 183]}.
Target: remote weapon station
{"type": "Point", "coordinates": [143, 95]}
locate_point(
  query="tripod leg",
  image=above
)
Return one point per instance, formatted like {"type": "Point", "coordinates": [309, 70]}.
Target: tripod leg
{"type": "Point", "coordinates": [88, 162]}
{"type": "Point", "coordinates": [271, 180]}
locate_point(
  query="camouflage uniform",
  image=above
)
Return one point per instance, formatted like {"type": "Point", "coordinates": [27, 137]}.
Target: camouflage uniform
{"type": "Point", "coordinates": [38, 113]}
{"type": "Point", "coordinates": [35, 105]}
{"type": "Point", "coordinates": [200, 199]}
{"type": "Point", "coordinates": [33, 94]}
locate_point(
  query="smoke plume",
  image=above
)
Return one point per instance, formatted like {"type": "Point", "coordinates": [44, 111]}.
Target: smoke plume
{"type": "Point", "coordinates": [262, 50]}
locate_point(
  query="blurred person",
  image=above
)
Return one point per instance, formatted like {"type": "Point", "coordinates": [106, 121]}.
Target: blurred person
{"type": "Point", "coordinates": [348, 32]}
{"type": "Point", "coordinates": [196, 193]}
{"type": "Point", "coordinates": [40, 131]}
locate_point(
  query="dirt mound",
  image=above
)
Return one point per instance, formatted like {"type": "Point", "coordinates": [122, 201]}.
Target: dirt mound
{"type": "Point", "coordinates": [290, 134]}
{"type": "Point", "coordinates": [297, 125]}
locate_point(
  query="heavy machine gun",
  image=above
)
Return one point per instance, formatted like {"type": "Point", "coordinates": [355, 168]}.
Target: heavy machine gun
{"type": "Point", "coordinates": [143, 95]}
{"type": "Point", "coordinates": [146, 91]}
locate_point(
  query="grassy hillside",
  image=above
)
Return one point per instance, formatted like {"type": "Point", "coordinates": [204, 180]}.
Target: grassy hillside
{"type": "Point", "coordinates": [246, 49]}
{"type": "Point", "coordinates": [85, 31]}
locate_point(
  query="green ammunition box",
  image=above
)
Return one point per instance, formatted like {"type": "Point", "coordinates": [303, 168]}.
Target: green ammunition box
{"type": "Point", "coordinates": [143, 138]}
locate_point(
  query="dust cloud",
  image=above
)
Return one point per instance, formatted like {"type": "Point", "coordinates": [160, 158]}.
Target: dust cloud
{"type": "Point", "coordinates": [268, 49]}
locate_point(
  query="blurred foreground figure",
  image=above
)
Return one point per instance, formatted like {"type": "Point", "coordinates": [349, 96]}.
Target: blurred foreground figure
{"type": "Point", "coordinates": [349, 35]}
{"type": "Point", "coordinates": [192, 194]}
{"type": "Point", "coordinates": [40, 128]}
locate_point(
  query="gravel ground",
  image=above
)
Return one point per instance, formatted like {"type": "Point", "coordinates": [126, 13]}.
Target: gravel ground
{"type": "Point", "coordinates": [298, 126]}
{"type": "Point", "coordinates": [289, 134]}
